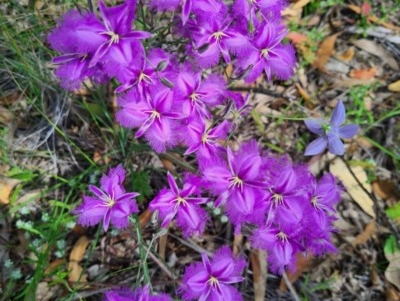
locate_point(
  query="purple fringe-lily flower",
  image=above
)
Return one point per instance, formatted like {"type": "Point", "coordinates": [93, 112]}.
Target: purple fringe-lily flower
{"type": "Point", "coordinates": [268, 54]}
{"type": "Point", "coordinates": [110, 204]}
{"type": "Point", "coordinates": [190, 217]}
{"type": "Point", "coordinates": [330, 133]}
{"type": "Point", "coordinates": [211, 280]}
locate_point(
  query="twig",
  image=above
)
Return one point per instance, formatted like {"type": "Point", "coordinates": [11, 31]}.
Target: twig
{"type": "Point", "coordinates": [290, 287]}
{"type": "Point", "coordinates": [259, 90]}
{"type": "Point", "coordinates": [191, 244]}
{"type": "Point", "coordinates": [162, 266]}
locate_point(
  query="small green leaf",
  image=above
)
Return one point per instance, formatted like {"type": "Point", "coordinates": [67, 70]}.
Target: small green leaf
{"type": "Point", "coordinates": [390, 245]}
{"type": "Point", "coordinates": [141, 184]}
{"type": "Point", "coordinates": [394, 212]}
{"type": "Point", "coordinates": [19, 174]}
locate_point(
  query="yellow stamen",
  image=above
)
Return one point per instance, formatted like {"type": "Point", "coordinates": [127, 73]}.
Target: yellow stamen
{"type": "Point", "coordinates": [213, 281]}
{"type": "Point", "coordinates": [314, 202]}
{"type": "Point", "coordinates": [265, 52]}
{"type": "Point", "coordinates": [109, 202]}
{"type": "Point", "coordinates": [277, 199]}
{"type": "Point", "coordinates": [194, 97]}
{"type": "Point", "coordinates": [218, 35]}
{"type": "Point", "coordinates": [204, 138]}
{"type": "Point", "coordinates": [236, 182]}
{"type": "Point", "coordinates": [114, 38]}
{"type": "Point", "coordinates": [144, 77]}
{"type": "Point", "coordinates": [282, 236]}
{"type": "Point", "coordinates": [179, 201]}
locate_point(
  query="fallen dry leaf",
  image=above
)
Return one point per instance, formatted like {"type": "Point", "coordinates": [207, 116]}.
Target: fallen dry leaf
{"type": "Point", "coordinates": [300, 3]}
{"type": "Point", "coordinates": [325, 51]}
{"type": "Point", "coordinates": [391, 294]}
{"type": "Point", "coordinates": [339, 169]}
{"type": "Point", "coordinates": [297, 38]}
{"type": "Point", "coordinates": [348, 82]}
{"type": "Point", "coordinates": [145, 217]}
{"type": "Point", "coordinates": [303, 93]}
{"type": "Point", "coordinates": [76, 255]}
{"type": "Point", "coordinates": [377, 50]}
{"type": "Point", "coordinates": [237, 244]}
{"type": "Point", "coordinates": [6, 186]}
{"type": "Point", "coordinates": [364, 236]}
{"type": "Point", "coordinates": [347, 55]}
{"type": "Point", "coordinates": [363, 73]}
{"type": "Point", "coordinates": [6, 116]}
{"type": "Point", "coordinates": [395, 86]}
{"type": "Point", "coordinates": [386, 189]}
{"type": "Point", "coordinates": [75, 273]}
{"type": "Point", "coordinates": [79, 249]}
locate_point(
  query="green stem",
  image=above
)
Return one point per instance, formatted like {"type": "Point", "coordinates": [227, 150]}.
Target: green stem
{"type": "Point", "coordinates": [142, 250]}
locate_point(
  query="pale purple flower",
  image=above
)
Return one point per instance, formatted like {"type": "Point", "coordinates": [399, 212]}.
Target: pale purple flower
{"type": "Point", "coordinates": [190, 217]}
{"type": "Point", "coordinates": [211, 280]}
{"type": "Point", "coordinates": [268, 54]}
{"type": "Point", "coordinates": [110, 204]}
{"type": "Point", "coordinates": [330, 132]}
{"type": "Point", "coordinates": [140, 294]}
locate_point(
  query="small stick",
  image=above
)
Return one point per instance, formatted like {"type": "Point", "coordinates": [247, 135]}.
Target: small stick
{"type": "Point", "coordinates": [290, 287]}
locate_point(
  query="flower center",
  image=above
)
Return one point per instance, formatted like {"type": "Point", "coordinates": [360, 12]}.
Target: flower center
{"type": "Point", "coordinates": [213, 281]}
{"type": "Point", "coordinates": [314, 201]}
{"type": "Point", "coordinates": [277, 199]}
{"type": "Point", "coordinates": [114, 38]}
{"type": "Point", "coordinates": [109, 202]}
{"type": "Point", "coordinates": [218, 35]}
{"type": "Point", "coordinates": [282, 237]}
{"type": "Point", "coordinates": [144, 77]}
{"type": "Point", "coordinates": [194, 97]}
{"type": "Point", "coordinates": [155, 114]}
{"type": "Point", "coordinates": [179, 201]}
{"type": "Point", "coordinates": [326, 127]}
{"type": "Point", "coordinates": [204, 138]}
{"type": "Point", "coordinates": [265, 52]}
{"type": "Point", "coordinates": [236, 182]}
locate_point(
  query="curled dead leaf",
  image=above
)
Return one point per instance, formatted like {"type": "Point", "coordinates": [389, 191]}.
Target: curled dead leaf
{"type": "Point", "coordinates": [363, 73]}
{"type": "Point", "coordinates": [76, 255]}
{"type": "Point", "coordinates": [325, 51]}
{"type": "Point", "coordinates": [347, 55]}
{"type": "Point", "coordinates": [395, 86]}
{"type": "Point", "coordinates": [6, 186]}
{"type": "Point", "coordinates": [78, 250]}
{"type": "Point", "coordinates": [364, 236]}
